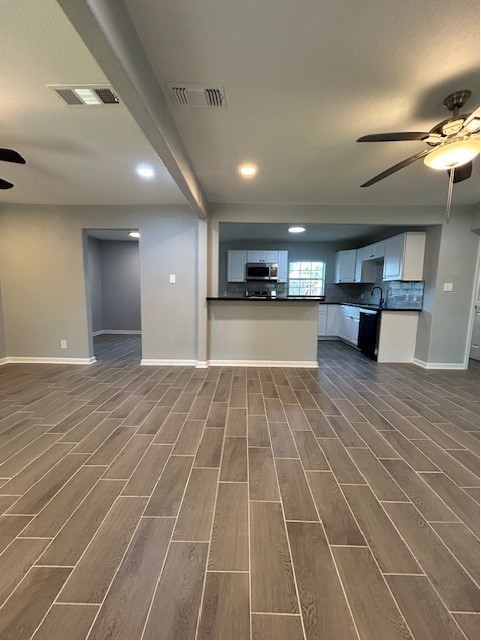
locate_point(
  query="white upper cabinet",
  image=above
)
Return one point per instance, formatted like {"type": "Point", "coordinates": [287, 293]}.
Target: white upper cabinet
{"type": "Point", "coordinates": [262, 256]}
{"type": "Point", "coordinates": [236, 266]}
{"type": "Point", "coordinates": [282, 266]}
{"type": "Point", "coordinates": [365, 271]}
{"type": "Point", "coordinates": [345, 266]}
{"type": "Point", "coordinates": [374, 251]}
{"type": "Point", "coordinates": [404, 256]}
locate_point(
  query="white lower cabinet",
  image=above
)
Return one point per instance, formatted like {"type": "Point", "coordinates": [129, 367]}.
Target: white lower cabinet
{"type": "Point", "coordinates": [349, 323]}
{"type": "Point", "coordinates": [328, 320]}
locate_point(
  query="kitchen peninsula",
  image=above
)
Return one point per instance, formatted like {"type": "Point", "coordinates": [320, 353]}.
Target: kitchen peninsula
{"type": "Point", "coordinates": [278, 332]}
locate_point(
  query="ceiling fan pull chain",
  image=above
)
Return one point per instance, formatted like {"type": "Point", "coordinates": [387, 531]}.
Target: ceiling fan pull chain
{"type": "Point", "coordinates": [450, 193]}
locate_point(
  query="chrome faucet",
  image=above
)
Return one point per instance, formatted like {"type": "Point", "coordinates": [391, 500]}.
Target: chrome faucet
{"type": "Point", "coordinates": [381, 301]}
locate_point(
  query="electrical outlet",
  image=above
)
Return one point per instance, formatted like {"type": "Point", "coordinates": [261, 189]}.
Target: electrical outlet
{"type": "Point", "coordinates": [448, 287]}
{"type": "Point", "coordinates": [63, 344]}
{"type": "Point", "coordinates": [362, 296]}
{"type": "Point", "coordinates": [172, 279]}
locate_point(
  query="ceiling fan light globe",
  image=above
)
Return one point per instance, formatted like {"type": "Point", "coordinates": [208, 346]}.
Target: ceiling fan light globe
{"type": "Point", "coordinates": [453, 154]}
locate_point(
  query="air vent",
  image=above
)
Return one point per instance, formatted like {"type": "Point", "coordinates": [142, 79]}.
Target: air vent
{"type": "Point", "coordinates": [85, 95]}
{"type": "Point", "coordinates": [197, 95]}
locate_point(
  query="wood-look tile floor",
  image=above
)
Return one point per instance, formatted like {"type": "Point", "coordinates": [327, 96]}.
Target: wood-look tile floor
{"type": "Point", "coordinates": [238, 503]}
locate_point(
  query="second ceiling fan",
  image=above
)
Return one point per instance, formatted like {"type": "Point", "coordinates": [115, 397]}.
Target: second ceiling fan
{"type": "Point", "coordinates": [453, 142]}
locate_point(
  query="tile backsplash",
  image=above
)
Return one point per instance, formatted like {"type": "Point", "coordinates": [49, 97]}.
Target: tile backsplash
{"type": "Point", "coordinates": [397, 294]}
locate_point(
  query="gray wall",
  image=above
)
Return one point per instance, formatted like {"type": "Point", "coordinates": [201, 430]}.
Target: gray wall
{"type": "Point", "coordinates": [45, 293]}
{"type": "Point", "coordinates": [95, 282]}
{"type": "Point", "coordinates": [120, 285]}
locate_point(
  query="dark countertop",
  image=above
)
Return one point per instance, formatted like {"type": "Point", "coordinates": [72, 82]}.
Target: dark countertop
{"type": "Point", "coordinates": [282, 299]}
{"type": "Point", "coordinates": [379, 309]}
{"type": "Point", "coordinates": [307, 299]}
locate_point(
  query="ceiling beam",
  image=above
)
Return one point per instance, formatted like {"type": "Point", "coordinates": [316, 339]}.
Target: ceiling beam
{"type": "Point", "coordinates": [107, 30]}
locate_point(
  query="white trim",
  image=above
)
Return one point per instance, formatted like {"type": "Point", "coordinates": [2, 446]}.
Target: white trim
{"type": "Point", "coordinates": [116, 331]}
{"type": "Point", "coordinates": [248, 363]}
{"type": "Point", "coordinates": [3, 361]}
{"type": "Point", "coordinates": [426, 365]}
{"type": "Point", "coordinates": [472, 314]}
{"type": "Point", "coordinates": [51, 360]}
{"type": "Point", "coordinates": [156, 362]}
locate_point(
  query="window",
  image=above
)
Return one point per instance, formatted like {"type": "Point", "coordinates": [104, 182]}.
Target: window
{"type": "Point", "coordinates": [307, 279]}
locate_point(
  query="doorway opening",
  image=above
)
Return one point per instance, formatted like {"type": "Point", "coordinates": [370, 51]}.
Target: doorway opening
{"type": "Point", "coordinates": [113, 273]}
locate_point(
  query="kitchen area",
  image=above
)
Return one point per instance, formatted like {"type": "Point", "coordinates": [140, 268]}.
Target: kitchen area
{"type": "Point", "coordinates": [281, 291]}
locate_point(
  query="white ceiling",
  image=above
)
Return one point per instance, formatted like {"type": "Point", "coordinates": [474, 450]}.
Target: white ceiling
{"type": "Point", "coordinates": [112, 234]}
{"type": "Point", "coordinates": [304, 79]}
{"type": "Point", "coordinates": [74, 155]}
{"type": "Point", "coordinates": [324, 233]}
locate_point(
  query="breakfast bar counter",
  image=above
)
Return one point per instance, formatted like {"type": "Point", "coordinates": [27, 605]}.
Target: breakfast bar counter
{"type": "Point", "coordinates": [277, 332]}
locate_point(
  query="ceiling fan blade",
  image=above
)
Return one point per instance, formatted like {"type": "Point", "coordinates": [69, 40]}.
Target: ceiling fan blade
{"type": "Point", "coordinates": [4, 184]}
{"type": "Point", "coordinates": [395, 137]}
{"type": "Point", "coordinates": [463, 173]}
{"type": "Point", "coordinates": [394, 168]}
{"type": "Point", "coordinates": [471, 124]}
{"type": "Point", "coordinates": [9, 155]}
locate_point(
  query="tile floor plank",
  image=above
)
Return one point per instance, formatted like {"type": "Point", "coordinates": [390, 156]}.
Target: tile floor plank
{"type": "Point", "coordinates": [65, 621]}
{"type": "Point", "coordinates": [229, 543]}
{"type": "Point", "coordinates": [168, 493]}
{"type": "Point", "coordinates": [323, 606]}
{"type": "Point", "coordinates": [90, 579]}
{"type": "Point", "coordinates": [225, 594]}
{"type": "Point", "coordinates": [373, 608]}
{"type": "Point", "coordinates": [134, 582]}
{"type": "Point", "coordinates": [295, 493]}
{"type": "Point", "coordinates": [197, 509]}
{"type": "Point", "coordinates": [457, 590]}
{"type": "Point", "coordinates": [29, 603]}
{"type": "Point", "coordinates": [176, 603]}
{"type": "Point", "coordinates": [423, 610]}
{"type": "Point", "coordinates": [272, 579]}
{"type": "Point", "coordinates": [276, 626]}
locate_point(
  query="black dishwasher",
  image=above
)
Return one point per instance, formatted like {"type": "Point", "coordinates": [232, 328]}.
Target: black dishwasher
{"type": "Point", "coordinates": [368, 332]}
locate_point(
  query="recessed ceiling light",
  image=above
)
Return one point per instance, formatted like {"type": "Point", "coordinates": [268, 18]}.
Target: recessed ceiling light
{"type": "Point", "coordinates": [134, 234]}
{"type": "Point", "coordinates": [248, 170]}
{"type": "Point", "coordinates": [88, 96]}
{"type": "Point", "coordinates": [145, 171]}
{"type": "Point", "coordinates": [296, 230]}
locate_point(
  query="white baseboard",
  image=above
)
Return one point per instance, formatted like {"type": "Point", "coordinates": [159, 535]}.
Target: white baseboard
{"type": "Point", "coordinates": [427, 365]}
{"type": "Point", "coordinates": [116, 331]}
{"type": "Point", "coordinates": [3, 361]}
{"type": "Point", "coordinates": [328, 338]}
{"type": "Point", "coordinates": [51, 360]}
{"type": "Point", "coordinates": [158, 362]}
{"type": "Point", "coordinates": [248, 363]}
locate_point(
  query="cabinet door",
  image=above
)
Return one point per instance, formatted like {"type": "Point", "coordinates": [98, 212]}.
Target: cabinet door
{"type": "Point", "coordinates": [236, 266]}
{"type": "Point", "coordinates": [369, 252]}
{"type": "Point", "coordinates": [270, 256]}
{"type": "Point", "coordinates": [355, 330]}
{"type": "Point", "coordinates": [322, 323]}
{"type": "Point", "coordinates": [359, 261]}
{"type": "Point", "coordinates": [393, 258]}
{"type": "Point", "coordinates": [379, 249]}
{"type": "Point", "coordinates": [332, 320]}
{"type": "Point", "coordinates": [282, 265]}
{"type": "Point", "coordinates": [345, 266]}
{"type": "Point", "coordinates": [342, 322]}
{"type": "Point", "coordinates": [254, 256]}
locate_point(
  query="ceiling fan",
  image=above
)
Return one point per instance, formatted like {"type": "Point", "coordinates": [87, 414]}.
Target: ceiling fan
{"type": "Point", "coordinates": [453, 142]}
{"type": "Point", "coordinates": [9, 155]}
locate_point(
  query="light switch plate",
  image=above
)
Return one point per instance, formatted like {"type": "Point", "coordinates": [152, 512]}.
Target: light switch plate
{"type": "Point", "coordinates": [448, 287]}
{"type": "Point", "coordinates": [172, 279]}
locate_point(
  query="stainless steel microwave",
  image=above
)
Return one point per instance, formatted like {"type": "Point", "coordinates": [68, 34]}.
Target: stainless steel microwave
{"type": "Point", "coordinates": [261, 271]}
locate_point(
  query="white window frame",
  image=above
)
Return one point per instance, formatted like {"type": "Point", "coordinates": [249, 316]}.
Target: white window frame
{"type": "Point", "coordinates": [295, 290]}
